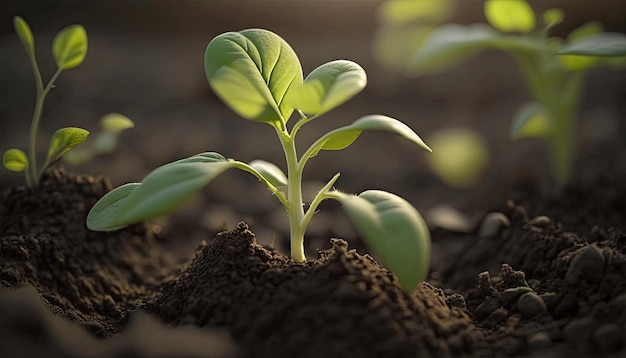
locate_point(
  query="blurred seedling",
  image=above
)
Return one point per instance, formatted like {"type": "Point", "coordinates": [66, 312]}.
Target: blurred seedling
{"type": "Point", "coordinates": [259, 76]}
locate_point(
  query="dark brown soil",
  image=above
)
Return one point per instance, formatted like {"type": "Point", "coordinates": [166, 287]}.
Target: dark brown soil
{"type": "Point", "coordinates": [534, 289]}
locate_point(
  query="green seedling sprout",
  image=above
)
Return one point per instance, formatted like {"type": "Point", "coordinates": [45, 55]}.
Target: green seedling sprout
{"type": "Point", "coordinates": [413, 40]}
{"type": "Point", "coordinates": [105, 141]}
{"type": "Point", "coordinates": [69, 49]}
{"type": "Point", "coordinates": [258, 75]}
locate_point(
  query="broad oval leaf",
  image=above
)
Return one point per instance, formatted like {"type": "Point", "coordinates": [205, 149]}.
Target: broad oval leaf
{"type": "Point", "coordinates": [394, 231]}
{"type": "Point", "coordinates": [510, 15]}
{"type": "Point", "coordinates": [342, 137]}
{"type": "Point", "coordinates": [600, 45]}
{"type": "Point", "coordinates": [270, 172]}
{"type": "Point", "coordinates": [161, 192]}
{"type": "Point", "coordinates": [25, 34]}
{"type": "Point", "coordinates": [205, 157]}
{"type": "Point", "coordinates": [116, 122]}
{"type": "Point", "coordinates": [63, 140]}
{"type": "Point", "coordinates": [69, 47]}
{"type": "Point", "coordinates": [251, 71]}
{"type": "Point", "coordinates": [15, 160]}
{"type": "Point", "coordinates": [530, 121]}
{"type": "Point", "coordinates": [327, 87]}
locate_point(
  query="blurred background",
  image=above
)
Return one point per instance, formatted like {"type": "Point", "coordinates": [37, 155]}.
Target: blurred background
{"type": "Point", "coordinates": [145, 60]}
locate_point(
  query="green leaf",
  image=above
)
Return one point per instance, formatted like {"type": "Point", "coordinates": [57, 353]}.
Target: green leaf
{"type": "Point", "coordinates": [600, 45]}
{"type": "Point", "coordinates": [401, 11]}
{"type": "Point", "coordinates": [270, 172]}
{"type": "Point", "coordinates": [69, 47]}
{"type": "Point", "coordinates": [553, 17]}
{"type": "Point", "coordinates": [342, 137]}
{"type": "Point", "coordinates": [25, 34]}
{"type": "Point", "coordinates": [15, 160]}
{"type": "Point", "coordinates": [530, 121]}
{"type": "Point", "coordinates": [161, 192]}
{"type": "Point", "coordinates": [251, 71]}
{"type": "Point", "coordinates": [116, 123]}
{"type": "Point", "coordinates": [63, 140]}
{"type": "Point", "coordinates": [327, 87]}
{"type": "Point", "coordinates": [510, 15]}
{"type": "Point", "coordinates": [394, 230]}
{"type": "Point", "coordinates": [576, 62]}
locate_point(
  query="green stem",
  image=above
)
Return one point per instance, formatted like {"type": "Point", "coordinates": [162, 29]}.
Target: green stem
{"type": "Point", "coordinates": [34, 126]}
{"type": "Point", "coordinates": [321, 195]}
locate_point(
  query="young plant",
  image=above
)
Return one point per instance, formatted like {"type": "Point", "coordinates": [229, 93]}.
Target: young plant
{"type": "Point", "coordinates": [69, 49]}
{"type": "Point", "coordinates": [258, 75]}
{"type": "Point", "coordinates": [553, 68]}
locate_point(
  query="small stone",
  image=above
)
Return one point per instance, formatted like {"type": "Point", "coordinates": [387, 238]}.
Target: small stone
{"type": "Point", "coordinates": [577, 332]}
{"type": "Point", "coordinates": [492, 225]}
{"type": "Point", "coordinates": [510, 295]}
{"type": "Point", "coordinates": [485, 309]}
{"type": "Point", "coordinates": [607, 338]}
{"type": "Point", "coordinates": [587, 265]}
{"type": "Point", "coordinates": [539, 341]}
{"type": "Point", "coordinates": [531, 305]}
{"type": "Point", "coordinates": [540, 221]}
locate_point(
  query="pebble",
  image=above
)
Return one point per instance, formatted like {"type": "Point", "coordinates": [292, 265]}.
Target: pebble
{"type": "Point", "coordinates": [587, 265]}
{"type": "Point", "coordinates": [531, 305]}
{"type": "Point", "coordinates": [485, 309]}
{"type": "Point", "coordinates": [510, 295]}
{"type": "Point", "coordinates": [492, 225]}
{"type": "Point", "coordinates": [577, 332]}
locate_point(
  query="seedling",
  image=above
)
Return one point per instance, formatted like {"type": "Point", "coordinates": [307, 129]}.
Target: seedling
{"type": "Point", "coordinates": [258, 75]}
{"type": "Point", "coordinates": [553, 68]}
{"type": "Point", "coordinates": [69, 49]}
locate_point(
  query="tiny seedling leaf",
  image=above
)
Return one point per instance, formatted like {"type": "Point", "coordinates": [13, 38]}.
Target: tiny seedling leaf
{"type": "Point", "coordinates": [25, 34]}
{"type": "Point", "coordinates": [510, 15]}
{"type": "Point", "coordinates": [251, 72]}
{"type": "Point", "coordinates": [600, 45]}
{"type": "Point", "coordinates": [270, 172]}
{"type": "Point", "coordinates": [343, 137]}
{"type": "Point", "coordinates": [63, 140]}
{"type": "Point", "coordinates": [15, 160]}
{"type": "Point", "coordinates": [116, 123]}
{"type": "Point", "coordinates": [69, 47]}
{"type": "Point", "coordinates": [530, 121]}
{"type": "Point", "coordinates": [553, 17]}
{"type": "Point", "coordinates": [327, 87]}
{"type": "Point", "coordinates": [394, 231]}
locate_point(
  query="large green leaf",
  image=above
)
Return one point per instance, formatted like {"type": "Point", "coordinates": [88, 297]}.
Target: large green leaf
{"type": "Point", "coordinates": [25, 34]}
{"type": "Point", "coordinates": [63, 140]}
{"type": "Point", "coordinates": [162, 191]}
{"type": "Point", "coordinates": [342, 137]}
{"type": "Point", "coordinates": [69, 47]}
{"type": "Point", "coordinates": [531, 121]}
{"type": "Point", "coordinates": [327, 87]}
{"type": "Point", "coordinates": [15, 160]}
{"type": "Point", "coordinates": [251, 71]}
{"type": "Point", "coordinates": [602, 44]}
{"type": "Point", "coordinates": [394, 231]}
{"type": "Point", "coordinates": [510, 15]}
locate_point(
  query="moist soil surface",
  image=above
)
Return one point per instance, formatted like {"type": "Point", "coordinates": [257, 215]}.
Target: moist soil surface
{"type": "Point", "coordinates": [549, 283]}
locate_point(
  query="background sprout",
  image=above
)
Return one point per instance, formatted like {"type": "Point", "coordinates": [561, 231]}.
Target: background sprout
{"type": "Point", "coordinates": [69, 49]}
{"type": "Point", "coordinates": [258, 75]}
{"type": "Point", "coordinates": [553, 68]}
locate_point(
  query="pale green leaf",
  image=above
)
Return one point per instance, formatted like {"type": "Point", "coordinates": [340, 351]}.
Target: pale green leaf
{"type": "Point", "coordinates": [402, 11]}
{"type": "Point", "coordinates": [510, 15]}
{"type": "Point", "coordinates": [25, 34]}
{"type": "Point", "coordinates": [116, 122]}
{"type": "Point", "coordinates": [394, 46]}
{"type": "Point", "coordinates": [270, 172]}
{"type": "Point", "coordinates": [394, 230]}
{"type": "Point", "coordinates": [577, 62]}
{"type": "Point", "coordinates": [459, 156]}
{"type": "Point", "coordinates": [63, 140]}
{"type": "Point", "coordinates": [69, 47]}
{"type": "Point", "coordinates": [327, 87]}
{"type": "Point", "coordinates": [251, 72]}
{"type": "Point", "coordinates": [530, 121]}
{"type": "Point", "coordinates": [341, 138]}
{"type": "Point", "coordinates": [161, 192]}
{"type": "Point", "coordinates": [15, 160]}
{"type": "Point", "coordinates": [553, 17]}
{"type": "Point", "coordinates": [600, 45]}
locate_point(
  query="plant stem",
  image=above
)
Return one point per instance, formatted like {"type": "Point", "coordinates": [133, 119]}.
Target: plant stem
{"type": "Point", "coordinates": [34, 126]}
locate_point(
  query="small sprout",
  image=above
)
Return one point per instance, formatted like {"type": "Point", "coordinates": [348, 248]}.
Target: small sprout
{"type": "Point", "coordinates": [553, 17]}
{"type": "Point", "coordinates": [492, 225]}
{"type": "Point", "coordinates": [540, 221]}
{"type": "Point", "coordinates": [69, 49]}
{"type": "Point", "coordinates": [258, 75]}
